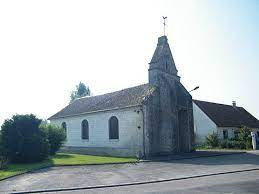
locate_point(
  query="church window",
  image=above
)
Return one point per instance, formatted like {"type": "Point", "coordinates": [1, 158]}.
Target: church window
{"type": "Point", "coordinates": [84, 129]}
{"type": "Point", "coordinates": [64, 126]}
{"type": "Point", "coordinates": [113, 128]}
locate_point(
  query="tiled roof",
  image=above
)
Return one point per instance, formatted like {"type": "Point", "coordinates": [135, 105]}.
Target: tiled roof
{"type": "Point", "coordinates": [119, 99]}
{"type": "Point", "coordinates": [226, 115]}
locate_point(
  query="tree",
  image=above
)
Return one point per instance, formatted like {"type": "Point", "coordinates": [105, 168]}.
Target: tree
{"type": "Point", "coordinates": [22, 140]}
{"type": "Point", "coordinates": [81, 91]}
{"type": "Point", "coordinates": [56, 136]}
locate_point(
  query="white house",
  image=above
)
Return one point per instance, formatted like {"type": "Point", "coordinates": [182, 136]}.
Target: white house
{"type": "Point", "coordinates": [225, 120]}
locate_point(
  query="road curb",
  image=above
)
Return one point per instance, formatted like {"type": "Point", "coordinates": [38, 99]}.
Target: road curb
{"type": "Point", "coordinates": [134, 183]}
{"type": "Point", "coordinates": [186, 158]}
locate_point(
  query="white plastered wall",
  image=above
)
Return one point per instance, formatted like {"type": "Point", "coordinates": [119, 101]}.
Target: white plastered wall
{"type": "Point", "coordinates": [130, 130]}
{"type": "Point", "coordinates": [203, 125]}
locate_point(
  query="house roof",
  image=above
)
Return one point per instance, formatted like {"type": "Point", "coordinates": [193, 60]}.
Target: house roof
{"type": "Point", "coordinates": [227, 115]}
{"type": "Point", "coordinates": [120, 99]}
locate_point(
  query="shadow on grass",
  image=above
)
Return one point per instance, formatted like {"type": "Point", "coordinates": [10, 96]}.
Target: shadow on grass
{"type": "Point", "coordinates": [14, 167]}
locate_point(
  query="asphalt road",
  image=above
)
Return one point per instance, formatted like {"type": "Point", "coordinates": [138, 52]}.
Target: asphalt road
{"type": "Point", "coordinates": [237, 183]}
{"type": "Point", "coordinates": [85, 176]}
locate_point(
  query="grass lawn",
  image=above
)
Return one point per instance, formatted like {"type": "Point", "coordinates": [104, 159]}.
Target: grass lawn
{"type": "Point", "coordinates": [61, 159]}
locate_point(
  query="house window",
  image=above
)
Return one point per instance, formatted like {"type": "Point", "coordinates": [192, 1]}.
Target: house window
{"type": "Point", "coordinates": [84, 130]}
{"type": "Point", "coordinates": [225, 134]}
{"type": "Point", "coordinates": [113, 128]}
{"type": "Point", "coordinates": [64, 126]}
{"type": "Point", "coordinates": [236, 134]}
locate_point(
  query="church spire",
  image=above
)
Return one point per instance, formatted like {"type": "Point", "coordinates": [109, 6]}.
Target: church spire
{"type": "Point", "coordinates": [162, 58]}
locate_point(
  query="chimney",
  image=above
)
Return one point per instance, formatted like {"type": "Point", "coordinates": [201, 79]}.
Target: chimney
{"type": "Point", "coordinates": [234, 104]}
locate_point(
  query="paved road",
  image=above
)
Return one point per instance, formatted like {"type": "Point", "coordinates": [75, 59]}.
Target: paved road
{"type": "Point", "coordinates": [83, 176]}
{"type": "Point", "coordinates": [238, 183]}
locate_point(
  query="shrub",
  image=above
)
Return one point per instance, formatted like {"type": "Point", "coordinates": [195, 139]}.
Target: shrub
{"type": "Point", "coordinates": [228, 143]}
{"type": "Point", "coordinates": [224, 143]}
{"type": "Point", "coordinates": [242, 140]}
{"type": "Point", "coordinates": [23, 140]}
{"type": "Point", "coordinates": [3, 156]}
{"type": "Point", "coordinates": [245, 138]}
{"type": "Point", "coordinates": [234, 144]}
{"type": "Point", "coordinates": [56, 136]}
{"type": "Point", "coordinates": [212, 140]}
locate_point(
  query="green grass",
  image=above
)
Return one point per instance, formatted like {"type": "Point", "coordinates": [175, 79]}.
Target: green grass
{"type": "Point", "coordinates": [61, 159]}
{"type": "Point", "coordinates": [14, 169]}
{"type": "Point", "coordinates": [77, 159]}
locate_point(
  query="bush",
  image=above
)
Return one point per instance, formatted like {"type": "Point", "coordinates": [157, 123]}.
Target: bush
{"type": "Point", "coordinates": [224, 143]}
{"type": "Point", "coordinates": [3, 155]}
{"type": "Point", "coordinates": [212, 140]}
{"type": "Point", "coordinates": [23, 140]}
{"type": "Point", "coordinates": [243, 140]}
{"type": "Point", "coordinates": [56, 136]}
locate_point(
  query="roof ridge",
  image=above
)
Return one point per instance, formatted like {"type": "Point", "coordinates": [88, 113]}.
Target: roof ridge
{"type": "Point", "coordinates": [226, 115]}
{"type": "Point", "coordinates": [217, 103]}
{"type": "Point", "coordinates": [110, 92]}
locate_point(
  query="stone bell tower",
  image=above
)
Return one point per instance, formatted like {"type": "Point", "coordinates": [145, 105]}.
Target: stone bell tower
{"type": "Point", "coordinates": [169, 116]}
{"type": "Point", "coordinates": [162, 62]}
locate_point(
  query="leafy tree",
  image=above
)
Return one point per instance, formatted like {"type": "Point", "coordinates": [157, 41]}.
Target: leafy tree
{"type": "Point", "coordinates": [56, 136]}
{"type": "Point", "coordinates": [81, 91]}
{"type": "Point", "coordinates": [23, 140]}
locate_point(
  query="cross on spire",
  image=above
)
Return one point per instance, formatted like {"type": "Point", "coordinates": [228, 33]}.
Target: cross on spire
{"type": "Point", "coordinates": [164, 23]}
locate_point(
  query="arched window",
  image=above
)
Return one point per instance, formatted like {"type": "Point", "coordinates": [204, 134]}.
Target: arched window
{"type": "Point", "coordinates": [64, 126]}
{"type": "Point", "coordinates": [84, 130]}
{"type": "Point", "coordinates": [113, 128]}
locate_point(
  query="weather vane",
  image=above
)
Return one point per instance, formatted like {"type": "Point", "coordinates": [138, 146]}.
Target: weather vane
{"type": "Point", "coordinates": [164, 23]}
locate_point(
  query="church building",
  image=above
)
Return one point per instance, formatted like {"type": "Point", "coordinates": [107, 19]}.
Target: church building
{"type": "Point", "coordinates": [142, 121]}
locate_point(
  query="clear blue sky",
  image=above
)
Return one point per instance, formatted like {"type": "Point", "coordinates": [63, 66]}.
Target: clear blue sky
{"type": "Point", "coordinates": [234, 52]}
{"type": "Point", "coordinates": [47, 47]}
